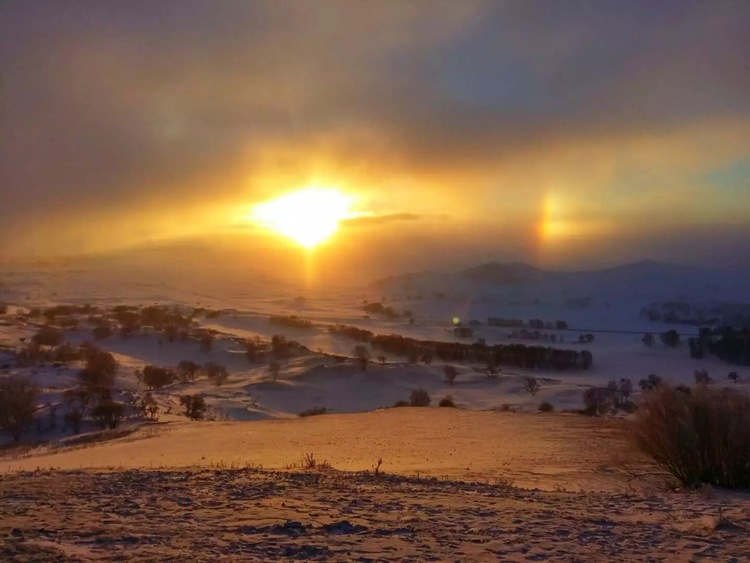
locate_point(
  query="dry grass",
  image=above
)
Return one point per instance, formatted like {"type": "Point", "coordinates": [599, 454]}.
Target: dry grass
{"type": "Point", "coordinates": [697, 436]}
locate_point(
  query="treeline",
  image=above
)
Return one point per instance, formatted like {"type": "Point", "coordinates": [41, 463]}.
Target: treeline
{"type": "Point", "coordinates": [515, 355]}
{"type": "Point", "coordinates": [735, 315]}
{"type": "Point", "coordinates": [128, 318]}
{"type": "Point", "coordinates": [727, 343]}
{"type": "Point", "coordinates": [537, 324]}
{"type": "Point", "coordinates": [380, 309]}
{"type": "Point", "coordinates": [292, 321]}
{"type": "Point", "coordinates": [352, 332]}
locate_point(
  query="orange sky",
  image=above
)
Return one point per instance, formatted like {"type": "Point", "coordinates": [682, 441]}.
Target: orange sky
{"type": "Point", "coordinates": [474, 130]}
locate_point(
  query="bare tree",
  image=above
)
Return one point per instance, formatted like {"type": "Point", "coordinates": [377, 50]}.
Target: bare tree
{"type": "Point", "coordinates": [450, 374]}
{"type": "Point", "coordinates": [532, 385]}
{"type": "Point", "coordinates": [362, 355]}
{"type": "Point", "coordinates": [17, 396]}
{"type": "Point", "coordinates": [148, 404]}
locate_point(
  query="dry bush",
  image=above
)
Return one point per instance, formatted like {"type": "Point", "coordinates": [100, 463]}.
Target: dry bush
{"type": "Point", "coordinates": [697, 437]}
{"type": "Point", "coordinates": [308, 461]}
{"type": "Point", "coordinates": [546, 407]}
{"type": "Point", "coordinates": [315, 411]}
{"type": "Point", "coordinates": [447, 401]}
{"type": "Point", "coordinates": [419, 398]}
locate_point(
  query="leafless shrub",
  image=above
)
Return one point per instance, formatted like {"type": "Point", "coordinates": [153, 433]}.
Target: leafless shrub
{"type": "Point", "coordinates": [315, 411]}
{"type": "Point", "coordinates": [546, 407]}
{"type": "Point", "coordinates": [698, 437]}
{"type": "Point", "coordinates": [419, 398]}
{"type": "Point", "coordinates": [309, 462]}
{"type": "Point", "coordinates": [447, 401]}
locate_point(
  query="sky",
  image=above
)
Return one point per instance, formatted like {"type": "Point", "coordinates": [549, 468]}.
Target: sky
{"type": "Point", "coordinates": [559, 133]}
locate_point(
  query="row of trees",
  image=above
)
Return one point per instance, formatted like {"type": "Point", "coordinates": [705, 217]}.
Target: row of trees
{"type": "Point", "coordinates": [156, 377]}
{"type": "Point", "coordinates": [517, 355]}
{"type": "Point", "coordinates": [537, 324]}
{"type": "Point", "coordinates": [669, 338]}
{"type": "Point", "coordinates": [291, 321]}
{"type": "Point", "coordinates": [727, 343]}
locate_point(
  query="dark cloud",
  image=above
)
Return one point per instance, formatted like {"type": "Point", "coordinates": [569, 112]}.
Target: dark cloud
{"type": "Point", "coordinates": [133, 115]}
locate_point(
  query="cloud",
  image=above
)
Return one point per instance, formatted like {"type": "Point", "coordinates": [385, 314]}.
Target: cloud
{"type": "Point", "coordinates": [134, 121]}
{"type": "Point", "coordinates": [370, 220]}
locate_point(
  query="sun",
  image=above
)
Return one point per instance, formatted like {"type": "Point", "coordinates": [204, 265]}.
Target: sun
{"type": "Point", "coordinates": [308, 216]}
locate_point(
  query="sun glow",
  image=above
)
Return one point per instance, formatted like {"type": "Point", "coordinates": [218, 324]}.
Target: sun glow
{"type": "Point", "coordinates": [308, 217]}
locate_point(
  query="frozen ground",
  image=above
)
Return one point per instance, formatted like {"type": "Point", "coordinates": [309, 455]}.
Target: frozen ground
{"type": "Point", "coordinates": [571, 497]}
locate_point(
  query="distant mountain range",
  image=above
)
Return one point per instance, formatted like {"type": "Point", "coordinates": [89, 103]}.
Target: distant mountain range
{"type": "Point", "coordinates": [647, 277]}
